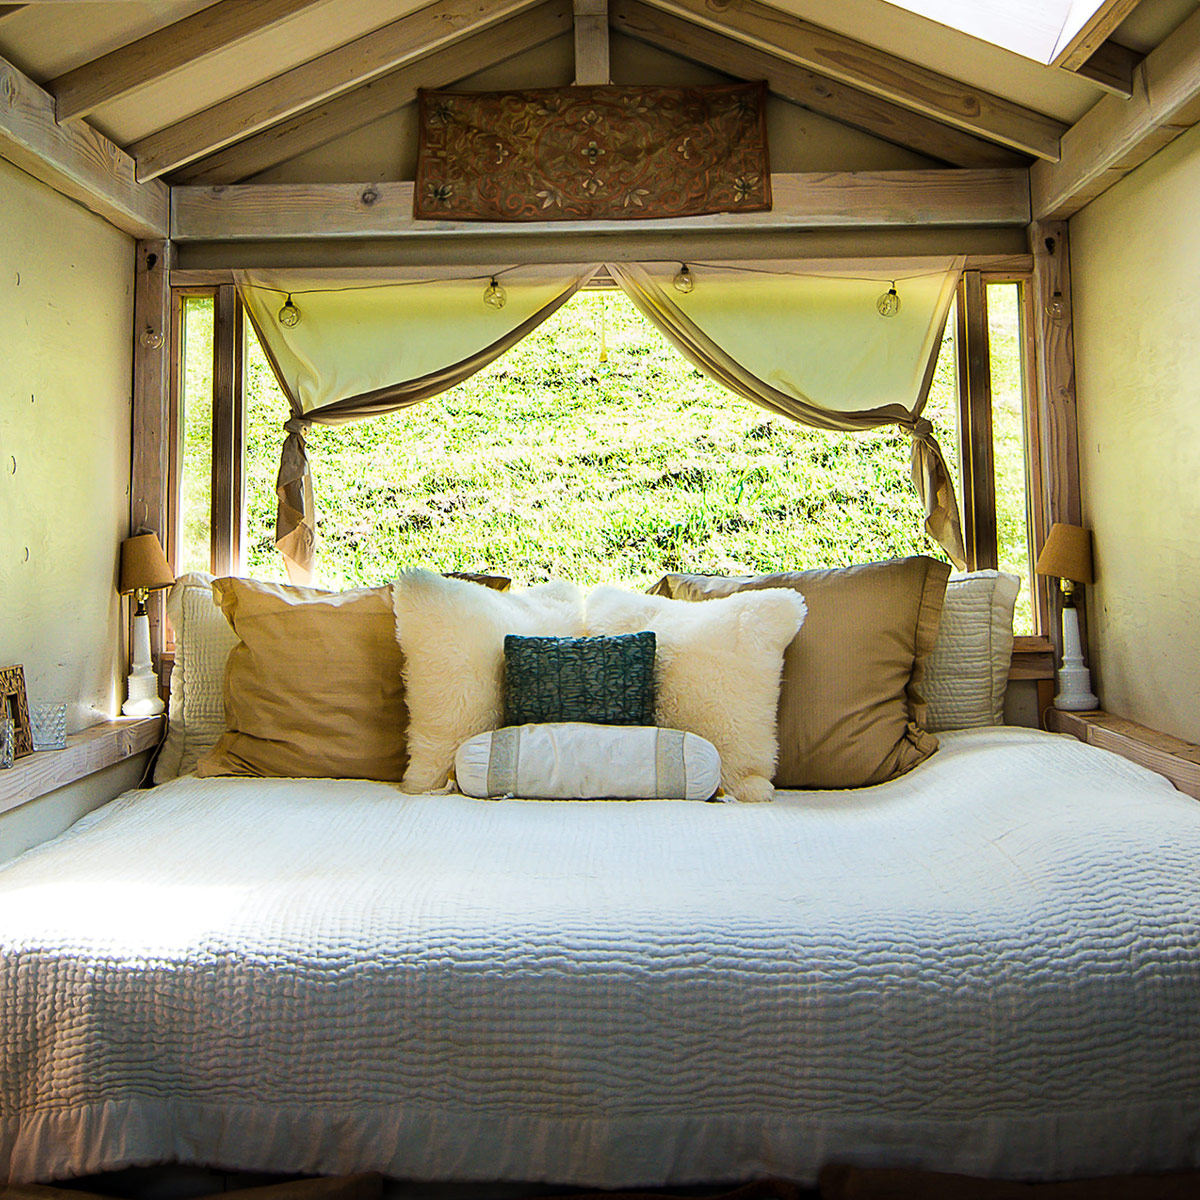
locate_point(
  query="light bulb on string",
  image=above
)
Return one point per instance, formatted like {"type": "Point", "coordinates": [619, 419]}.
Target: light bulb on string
{"type": "Point", "coordinates": [1056, 306]}
{"type": "Point", "coordinates": [289, 314]}
{"type": "Point", "coordinates": [494, 296]}
{"type": "Point", "coordinates": [151, 338]}
{"type": "Point", "coordinates": [683, 281]}
{"type": "Point", "coordinates": [888, 304]}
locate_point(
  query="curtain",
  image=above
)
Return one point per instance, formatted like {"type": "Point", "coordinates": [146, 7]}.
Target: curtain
{"type": "Point", "coordinates": [811, 346]}
{"type": "Point", "coordinates": [361, 349]}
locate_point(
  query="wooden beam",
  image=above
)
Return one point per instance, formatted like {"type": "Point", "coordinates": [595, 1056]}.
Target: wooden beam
{"type": "Point", "coordinates": [76, 161]}
{"type": "Point", "coordinates": [343, 114]}
{"type": "Point", "coordinates": [591, 42]}
{"type": "Point", "coordinates": [801, 86]}
{"type": "Point", "coordinates": [1112, 67]}
{"type": "Point", "coordinates": [862, 66]}
{"type": "Point", "coordinates": [403, 41]}
{"type": "Point", "coordinates": [852, 199]}
{"type": "Point", "coordinates": [1114, 136]}
{"type": "Point", "coordinates": [973, 352]}
{"type": "Point", "coordinates": [228, 433]}
{"type": "Point", "coordinates": [163, 52]}
{"type": "Point", "coordinates": [1080, 40]}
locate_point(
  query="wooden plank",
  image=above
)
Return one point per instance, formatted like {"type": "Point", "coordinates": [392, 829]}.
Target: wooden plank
{"type": "Point", "coordinates": [76, 160]}
{"type": "Point", "coordinates": [1114, 136]}
{"type": "Point", "coordinates": [1080, 40]}
{"type": "Point", "coordinates": [101, 746]}
{"type": "Point", "coordinates": [228, 433]}
{"type": "Point", "coordinates": [402, 41]}
{"type": "Point", "coordinates": [975, 424]}
{"type": "Point", "coordinates": [389, 93]}
{"type": "Point", "coordinates": [591, 42]}
{"type": "Point", "coordinates": [1112, 67]}
{"type": "Point", "coordinates": [853, 199]}
{"type": "Point", "coordinates": [801, 86]}
{"type": "Point", "coordinates": [1032, 658]}
{"type": "Point", "coordinates": [862, 66]}
{"type": "Point", "coordinates": [150, 464]}
{"type": "Point", "coordinates": [159, 54]}
{"type": "Point", "coordinates": [1178, 760]}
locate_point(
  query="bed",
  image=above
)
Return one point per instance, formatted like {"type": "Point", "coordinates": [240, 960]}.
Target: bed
{"type": "Point", "coordinates": [989, 965]}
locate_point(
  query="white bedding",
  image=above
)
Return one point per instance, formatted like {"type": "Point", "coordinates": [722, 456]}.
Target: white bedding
{"type": "Point", "coordinates": [991, 965]}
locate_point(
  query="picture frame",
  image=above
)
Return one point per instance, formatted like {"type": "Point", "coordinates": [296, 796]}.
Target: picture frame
{"type": "Point", "coordinates": [14, 702]}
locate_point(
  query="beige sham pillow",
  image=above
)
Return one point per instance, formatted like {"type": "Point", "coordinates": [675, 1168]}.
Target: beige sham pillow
{"type": "Point", "coordinates": [717, 670]}
{"type": "Point", "coordinates": [314, 687]}
{"type": "Point", "coordinates": [851, 711]}
{"type": "Point", "coordinates": [452, 633]}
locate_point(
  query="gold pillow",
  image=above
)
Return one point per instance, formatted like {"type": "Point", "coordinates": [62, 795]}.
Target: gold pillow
{"type": "Point", "coordinates": [850, 707]}
{"type": "Point", "coordinates": [314, 688]}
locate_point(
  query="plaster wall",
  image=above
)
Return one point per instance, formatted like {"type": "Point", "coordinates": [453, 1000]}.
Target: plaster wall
{"type": "Point", "coordinates": [66, 312]}
{"type": "Point", "coordinates": [1135, 259]}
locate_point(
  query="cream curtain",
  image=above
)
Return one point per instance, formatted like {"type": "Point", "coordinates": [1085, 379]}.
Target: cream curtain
{"type": "Point", "coordinates": [363, 348]}
{"type": "Point", "coordinates": [809, 344]}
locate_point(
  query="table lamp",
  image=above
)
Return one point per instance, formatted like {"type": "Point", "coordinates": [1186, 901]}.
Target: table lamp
{"type": "Point", "coordinates": [1067, 555]}
{"type": "Point", "coordinates": [144, 568]}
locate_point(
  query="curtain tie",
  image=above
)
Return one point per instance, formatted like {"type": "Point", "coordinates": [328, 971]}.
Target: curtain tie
{"type": "Point", "coordinates": [297, 425]}
{"type": "Point", "coordinates": [920, 429]}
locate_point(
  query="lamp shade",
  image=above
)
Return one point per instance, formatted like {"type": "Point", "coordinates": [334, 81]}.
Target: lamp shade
{"type": "Point", "coordinates": [1067, 554]}
{"type": "Point", "coordinates": [143, 564]}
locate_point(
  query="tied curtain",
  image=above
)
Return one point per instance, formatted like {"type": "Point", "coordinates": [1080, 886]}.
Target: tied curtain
{"type": "Point", "coordinates": [802, 340]}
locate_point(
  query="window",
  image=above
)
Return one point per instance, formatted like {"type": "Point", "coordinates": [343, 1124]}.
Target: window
{"type": "Point", "coordinates": [194, 439]}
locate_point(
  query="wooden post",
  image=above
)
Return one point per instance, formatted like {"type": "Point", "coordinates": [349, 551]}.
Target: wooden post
{"type": "Point", "coordinates": [591, 42]}
{"type": "Point", "coordinates": [149, 481]}
{"type": "Point", "coordinates": [228, 424]}
{"type": "Point", "coordinates": [975, 424]}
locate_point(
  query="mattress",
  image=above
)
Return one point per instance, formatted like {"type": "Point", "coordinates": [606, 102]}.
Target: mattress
{"type": "Point", "coordinates": [990, 965]}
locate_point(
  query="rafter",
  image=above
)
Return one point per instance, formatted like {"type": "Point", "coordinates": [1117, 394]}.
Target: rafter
{"type": "Point", "coordinates": [158, 54]}
{"type": "Point", "coordinates": [1111, 67]}
{"type": "Point", "coordinates": [402, 41]}
{"type": "Point", "coordinates": [827, 200]}
{"type": "Point", "coordinates": [862, 66]}
{"type": "Point", "coordinates": [591, 41]}
{"type": "Point", "coordinates": [343, 114]}
{"type": "Point", "coordinates": [1080, 40]}
{"type": "Point", "coordinates": [804, 87]}
{"type": "Point", "coordinates": [1114, 136]}
{"type": "Point", "coordinates": [76, 160]}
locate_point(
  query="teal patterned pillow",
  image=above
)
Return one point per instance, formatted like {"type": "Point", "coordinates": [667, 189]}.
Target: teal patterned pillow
{"type": "Point", "coordinates": [600, 680]}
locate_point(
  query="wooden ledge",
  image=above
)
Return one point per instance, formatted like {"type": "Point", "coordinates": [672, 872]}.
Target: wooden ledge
{"type": "Point", "coordinates": [1178, 760]}
{"type": "Point", "coordinates": [87, 752]}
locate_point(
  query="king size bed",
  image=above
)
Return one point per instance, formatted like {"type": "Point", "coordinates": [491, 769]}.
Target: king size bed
{"type": "Point", "coordinates": [990, 964]}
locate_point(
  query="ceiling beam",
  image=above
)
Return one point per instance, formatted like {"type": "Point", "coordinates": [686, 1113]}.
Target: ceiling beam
{"type": "Point", "coordinates": [591, 42]}
{"type": "Point", "coordinates": [1080, 40]}
{"type": "Point", "coordinates": [853, 199]}
{"type": "Point", "coordinates": [393, 45]}
{"type": "Point", "coordinates": [389, 93]}
{"type": "Point", "coordinates": [862, 66]}
{"type": "Point", "coordinates": [1114, 136]}
{"type": "Point", "coordinates": [802, 86]}
{"type": "Point", "coordinates": [77, 161]}
{"type": "Point", "coordinates": [159, 54]}
{"type": "Point", "coordinates": [1112, 67]}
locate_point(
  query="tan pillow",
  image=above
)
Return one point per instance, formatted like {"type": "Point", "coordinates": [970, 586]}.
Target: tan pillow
{"type": "Point", "coordinates": [314, 687]}
{"type": "Point", "coordinates": [850, 707]}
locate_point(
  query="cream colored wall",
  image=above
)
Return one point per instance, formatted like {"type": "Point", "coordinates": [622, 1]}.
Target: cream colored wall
{"type": "Point", "coordinates": [66, 297]}
{"type": "Point", "coordinates": [1135, 258]}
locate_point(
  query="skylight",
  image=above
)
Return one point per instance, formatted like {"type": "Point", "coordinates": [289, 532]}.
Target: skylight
{"type": "Point", "coordinates": [1037, 29]}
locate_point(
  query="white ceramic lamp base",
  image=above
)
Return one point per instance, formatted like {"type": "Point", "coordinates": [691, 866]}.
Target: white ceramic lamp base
{"type": "Point", "coordinates": [144, 700]}
{"type": "Point", "coordinates": [1074, 679]}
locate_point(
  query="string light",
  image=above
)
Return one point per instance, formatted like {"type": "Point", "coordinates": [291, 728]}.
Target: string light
{"type": "Point", "coordinates": [494, 295]}
{"type": "Point", "coordinates": [151, 338]}
{"type": "Point", "coordinates": [289, 314]}
{"type": "Point", "coordinates": [1056, 307]}
{"type": "Point", "coordinates": [683, 281]}
{"type": "Point", "coordinates": [889, 303]}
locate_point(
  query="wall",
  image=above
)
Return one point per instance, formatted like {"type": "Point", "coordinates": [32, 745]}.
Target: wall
{"type": "Point", "coordinates": [1135, 259]}
{"type": "Point", "coordinates": [66, 312]}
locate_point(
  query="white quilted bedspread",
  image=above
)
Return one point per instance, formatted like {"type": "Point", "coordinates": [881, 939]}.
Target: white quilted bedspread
{"type": "Point", "coordinates": [990, 966]}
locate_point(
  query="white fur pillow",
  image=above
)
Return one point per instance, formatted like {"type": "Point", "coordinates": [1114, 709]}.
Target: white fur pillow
{"type": "Point", "coordinates": [717, 670]}
{"type": "Point", "coordinates": [452, 634]}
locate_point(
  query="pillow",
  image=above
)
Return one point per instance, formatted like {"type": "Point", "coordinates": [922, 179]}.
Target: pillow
{"type": "Point", "coordinates": [314, 685]}
{"type": "Point", "coordinates": [452, 633]}
{"type": "Point", "coordinates": [576, 761]}
{"type": "Point", "coordinates": [851, 711]}
{"type": "Point", "coordinates": [203, 640]}
{"type": "Point", "coordinates": [604, 681]}
{"type": "Point", "coordinates": [717, 670]}
{"type": "Point", "coordinates": [967, 672]}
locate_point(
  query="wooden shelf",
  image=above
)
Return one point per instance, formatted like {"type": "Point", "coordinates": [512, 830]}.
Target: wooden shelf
{"type": "Point", "coordinates": [1178, 760]}
{"type": "Point", "coordinates": [91, 750]}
